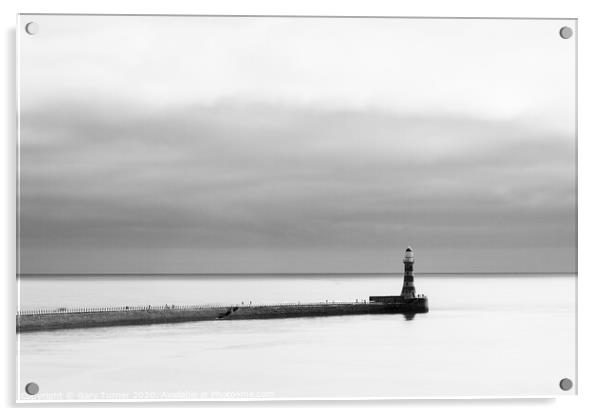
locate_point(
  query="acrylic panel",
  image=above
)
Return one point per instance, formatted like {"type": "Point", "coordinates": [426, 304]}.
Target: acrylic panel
{"type": "Point", "coordinates": [269, 207]}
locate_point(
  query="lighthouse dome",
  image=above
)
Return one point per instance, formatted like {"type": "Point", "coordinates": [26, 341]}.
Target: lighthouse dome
{"type": "Point", "coordinates": [408, 256]}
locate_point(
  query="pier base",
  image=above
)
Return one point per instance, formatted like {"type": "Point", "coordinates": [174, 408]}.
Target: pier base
{"type": "Point", "coordinates": [67, 320]}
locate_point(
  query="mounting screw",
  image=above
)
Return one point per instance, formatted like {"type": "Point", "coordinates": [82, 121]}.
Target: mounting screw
{"type": "Point", "coordinates": [566, 32]}
{"type": "Point", "coordinates": [32, 28]}
{"type": "Point", "coordinates": [566, 384]}
{"type": "Point", "coordinates": [32, 389]}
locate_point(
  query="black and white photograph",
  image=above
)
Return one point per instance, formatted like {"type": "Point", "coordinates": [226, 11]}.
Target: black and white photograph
{"type": "Point", "coordinates": [303, 207]}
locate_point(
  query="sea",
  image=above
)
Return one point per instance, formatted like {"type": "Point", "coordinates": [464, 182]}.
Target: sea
{"type": "Point", "coordinates": [484, 336]}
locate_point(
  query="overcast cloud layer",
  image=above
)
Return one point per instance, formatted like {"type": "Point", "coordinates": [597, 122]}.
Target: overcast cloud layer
{"type": "Point", "coordinates": [214, 145]}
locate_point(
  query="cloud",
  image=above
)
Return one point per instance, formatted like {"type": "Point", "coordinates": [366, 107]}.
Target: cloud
{"type": "Point", "coordinates": [206, 144]}
{"type": "Point", "coordinates": [280, 180]}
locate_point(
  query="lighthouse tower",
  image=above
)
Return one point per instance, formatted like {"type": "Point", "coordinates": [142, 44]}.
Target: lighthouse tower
{"type": "Point", "coordinates": [408, 291]}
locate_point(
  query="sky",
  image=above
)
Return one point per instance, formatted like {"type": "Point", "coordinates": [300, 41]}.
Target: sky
{"type": "Point", "coordinates": [296, 145]}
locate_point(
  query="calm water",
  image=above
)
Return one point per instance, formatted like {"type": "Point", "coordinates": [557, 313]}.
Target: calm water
{"type": "Point", "coordinates": [494, 336]}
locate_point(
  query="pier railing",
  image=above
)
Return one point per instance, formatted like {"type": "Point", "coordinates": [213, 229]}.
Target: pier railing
{"type": "Point", "coordinates": [127, 308]}
{"type": "Point", "coordinates": [50, 311]}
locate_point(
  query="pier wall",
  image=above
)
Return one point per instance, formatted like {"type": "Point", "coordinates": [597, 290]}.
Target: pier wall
{"type": "Point", "coordinates": [28, 322]}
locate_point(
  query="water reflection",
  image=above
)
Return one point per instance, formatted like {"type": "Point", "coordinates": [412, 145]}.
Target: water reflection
{"type": "Point", "coordinates": [409, 316]}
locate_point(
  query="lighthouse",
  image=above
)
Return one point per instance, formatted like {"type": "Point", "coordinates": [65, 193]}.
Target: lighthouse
{"type": "Point", "coordinates": [408, 302]}
{"type": "Point", "coordinates": [408, 291]}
